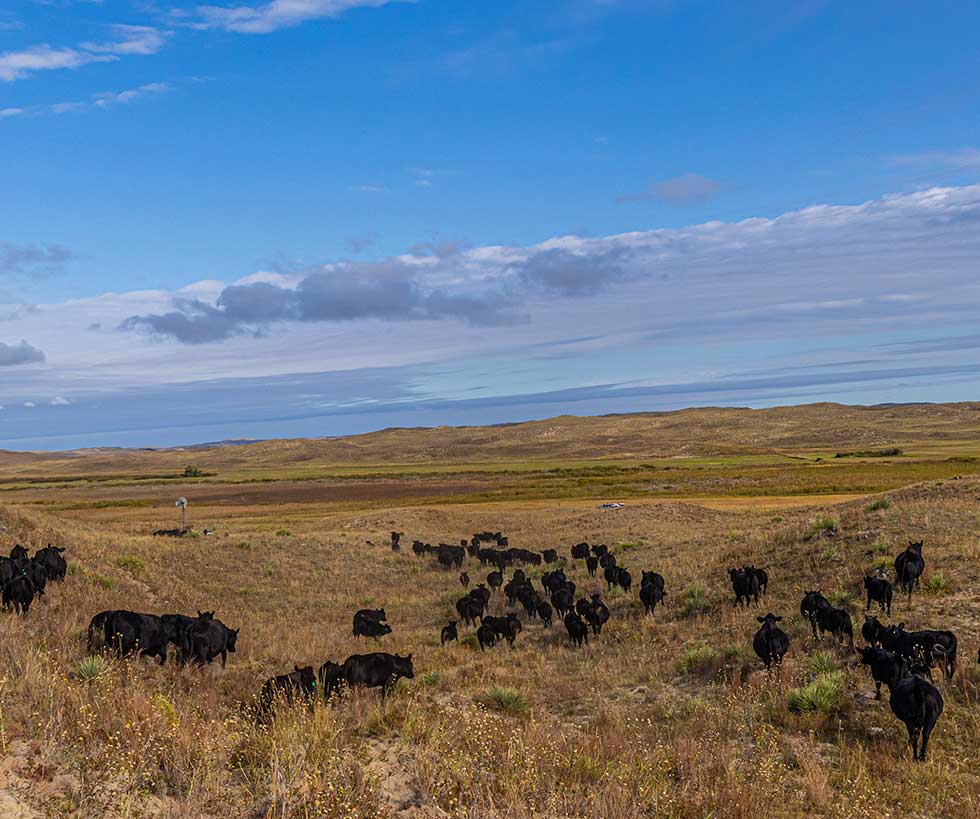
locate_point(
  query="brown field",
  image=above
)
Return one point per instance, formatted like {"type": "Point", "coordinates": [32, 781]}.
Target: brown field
{"type": "Point", "coordinates": [668, 716]}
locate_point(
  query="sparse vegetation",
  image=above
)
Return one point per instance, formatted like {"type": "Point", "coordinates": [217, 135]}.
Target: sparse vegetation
{"type": "Point", "coordinates": [842, 598]}
{"type": "Point", "coordinates": [822, 695]}
{"type": "Point", "coordinates": [823, 526]}
{"type": "Point", "coordinates": [879, 504]}
{"type": "Point", "coordinates": [509, 700]}
{"type": "Point", "coordinates": [695, 601]}
{"type": "Point", "coordinates": [131, 564]}
{"type": "Point", "coordinates": [937, 583]}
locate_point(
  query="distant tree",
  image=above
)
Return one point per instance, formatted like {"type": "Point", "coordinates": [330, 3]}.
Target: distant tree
{"type": "Point", "coordinates": [192, 472]}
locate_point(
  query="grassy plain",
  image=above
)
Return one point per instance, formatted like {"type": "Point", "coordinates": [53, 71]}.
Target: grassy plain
{"type": "Point", "coordinates": [664, 716]}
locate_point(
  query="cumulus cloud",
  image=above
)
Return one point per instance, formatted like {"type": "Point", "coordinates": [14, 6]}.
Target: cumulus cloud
{"type": "Point", "coordinates": [263, 18]}
{"type": "Point", "coordinates": [11, 355]}
{"type": "Point", "coordinates": [19, 259]}
{"type": "Point", "coordinates": [686, 189]}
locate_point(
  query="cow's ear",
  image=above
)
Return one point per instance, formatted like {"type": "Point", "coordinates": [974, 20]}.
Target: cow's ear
{"type": "Point", "coordinates": [761, 619]}
{"type": "Point", "coordinates": [409, 657]}
{"type": "Point", "coordinates": [901, 625]}
{"type": "Point", "coordinates": [779, 618]}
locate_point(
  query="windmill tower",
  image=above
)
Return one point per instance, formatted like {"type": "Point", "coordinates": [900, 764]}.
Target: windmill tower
{"type": "Point", "coordinates": [182, 505]}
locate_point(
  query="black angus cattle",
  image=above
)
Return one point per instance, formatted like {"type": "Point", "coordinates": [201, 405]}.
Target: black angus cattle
{"type": "Point", "coordinates": [563, 600]}
{"type": "Point", "coordinates": [552, 581]}
{"type": "Point", "coordinates": [50, 557]}
{"type": "Point", "coordinates": [464, 580]}
{"type": "Point", "coordinates": [513, 589]}
{"type": "Point", "coordinates": [377, 670]}
{"type": "Point", "coordinates": [836, 621]}
{"type": "Point", "coordinates": [524, 556]}
{"type": "Point", "coordinates": [592, 565]}
{"type": "Point", "coordinates": [651, 591]}
{"type": "Point", "coordinates": [448, 633]}
{"type": "Point", "coordinates": [745, 585]}
{"type": "Point", "coordinates": [37, 573]}
{"type": "Point", "coordinates": [450, 557]}
{"type": "Point", "coordinates": [580, 551]}
{"type": "Point", "coordinates": [600, 549]}
{"type": "Point", "coordinates": [607, 560]}
{"type": "Point", "coordinates": [770, 642]}
{"type": "Point", "coordinates": [19, 593]}
{"type": "Point", "coordinates": [180, 624]}
{"type": "Point", "coordinates": [486, 636]}
{"type": "Point", "coordinates": [871, 630]}
{"type": "Point", "coordinates": [370, 628]}
{"type": "Point", "coordinates": [495, 580]}
{"type": "Point", "coordinates": [470, 608]}
{"type": "Point", "coordinates": [209, 639]}
{"type": "Point", "coordinates": [396, 541]}
{"type": "Point", "coordinates": [808, 608]}
{"type": "Point", "coordinates": [330, 678]}
{"type": "Point", "coordinates": [18, 553]}
{"type": "Point", "coordinates": [418, 547]}
{"type": "Point", "coordinates": [596, 614]}
{"type": "Point", "coordinates": [909, 566]}
{"type": "Point", "coordinates": [918, 704]}
{"type": "Point", "coordinates": [507, 627]}
{"type": "Point", "coordinates": [761, 575]}
{"type": "Point", "coordinates": [927, 648]}
{"type": "Point", "coordinates": [624, 579]}
{"type": "Point", "coordinates": [8, 570]}
{"type": "Point", "coordinates": [129, 631]}
{"type": "Point", "coordinates": [886, 667]}
{"type": "Point", "coordinates": [545, 612]}
{"type": "Point", "coordinates": [577, 630]}
{"type": "Point", "coordinates": [611, 575]}
{"type": "Point", "coordinates": [481, 592]}
{"type": "Point", "coordinates": [550, 556]}
{"type": "Point", "coordinates": [97, 630]}
{"type": "Point", "coordinates": [530, 600]}
{"type": "Point", "coordinates": [880, 591]}
{"type": "Point", "coordinates": [299, 684]}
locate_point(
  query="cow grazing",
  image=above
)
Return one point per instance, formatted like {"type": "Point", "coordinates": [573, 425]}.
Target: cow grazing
{"type": "Point", "coordinates": [299, 684]}
{"type": "Point", "coordinates": [880, 591]}
{"type": "Point", "coordinates": [448, 633]}
{"type": "Point", "coordinates": [592, 565]}
{"type": "Point", "coordinates": [464, 580]}
{"type": "Point", "coordinates": [370, 628]}
{"type": "Point", "coordinates": [886, 667]}
{"type": "Point", "coordinates": [50, 557]}
{"type": "Point", "coordinates": [770, 642]}
{"type": "Point", "coordinates": [580, 551]}
{"type": "Point", "coordinates": [19, 593]}
{"type": "Point", "coordinates": [624, 579]}
{"type": "Point", "coordinates": [745, 585]}
{"type": "Point", "coordinates": [909, 566]}
{"type": "Point", "coordinates": [577, 630]}
{"type": "Point", "coordinates": [330, 678]}
{"type": "Point", "coordinates": [545, 612]}
{"type": "Point", "coordinates": [209, 639]}
{"type": "Point", "coordinates": [179, 625]}
{"type": "Point", "coordinates": [918, 704]}
{"type": "Point", "coordinates": [377, 670]}
{"type": "Point", "coordinates": [550, 556]}
{"type": "Point", "coordinates": [871, 630]}
{"type": "Point", "coordinates": [927, 648]}
{"type": "Point", "coordinates": [129, 632]}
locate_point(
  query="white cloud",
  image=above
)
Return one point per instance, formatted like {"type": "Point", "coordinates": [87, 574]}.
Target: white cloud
{"type": "Point", "coordinates": [108, 98]}
{"type": "Point", "coordinates": [263, 18]}
{"type": "Point", "coordinates": [59, 401]}
{"type": "Point", "coordinates": [368, 188]}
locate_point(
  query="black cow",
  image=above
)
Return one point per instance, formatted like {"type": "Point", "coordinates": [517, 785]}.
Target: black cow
{"type": "Point", "coordinates": [624, 579]}
{"type": "Point", "coordinates": [886, 667]}
{"type": "Point", "coordinates": [370, 628]}
{"type": "Point", "coordinates": [55, 566]}
{"type": "Point", "coordinates": [550, 556]}
{"type": "Point", "coordinates": [651, 591]}
{"type": "Point", "coordinates": [553, 581]}
{"type": "Point", "coordinates": [330, 678]}
{"type": "Point", "coordinates": [495, 580]}
{"type": "Point", "coordinates": [180, 625]}
{"type": "Point", "coordinates": [808, 608]}
{"type": "Point", "coordinates": [580, 551]}
{"type": "Point", "coordinates": [209, 639]}
{"type": "Point", "coordinates": [745, 585]}
{"type": "Point", "coordinates": [909, 566]}
{"type": "Point", "coordinates": [600, 549]}
{"type": "Point", "coordinates": [770, 642]}
{"type": "Point", "coordinates": [448, 633]}
{"type": "Point", "coordinates": [562, 600]}
{"type": "Point", "coordinates": [482, 593]}
{"type": "Point", "coordinates": [486, 636]}
{"type": "Point", "coordinates": [37, 573]}
{"type": "Point", "coordinates": [761, 575]}
{"type": "Point", "coordinates": [299, 684]}
{"type": "Point", "coordinates": [592, 565]}
{"type": "Point", "coordinates": [464, 580]}
{"type": "Point", "coordinates": [836, 621]}
{"type": "Point", "coordinates": [129, 631]}
{"type": "Point", "coordinates": [470, 608]}
{"type": "Point", "coordinates": [97, 630]}
{"type": "Point", "coordinates": [927, 648]}
{"type": "Point", "coordinates": [545, 612]}
{"type": "Point", "coordinates": [607, 560]}
{"type": "Point", "coordinates": [507, 627]}
{"type": "Point", "coordinates": [18, 553]}
{"type": "Point", "coordinates": [396, 541]}
{"type": "Point", "coordinates": [577, 630]}
{"type": "Point", "coordinates": [871, 630]}
{"type": "Point", "coordinates": [611, 574]}
{"type": "Point", "coordinates": [19, 593]}
{"type": "Point", "coordinates": [377, 670]}
{"type": "Point", "coordinates": [880, 591]}
{"type": "Point", "coordinates": [918, 704]}
{"type": "Point", "coordinates": [597, 614]}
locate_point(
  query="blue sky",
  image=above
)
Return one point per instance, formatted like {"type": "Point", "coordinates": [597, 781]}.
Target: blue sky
{"type": "Point", "coordinates": [315, 217]}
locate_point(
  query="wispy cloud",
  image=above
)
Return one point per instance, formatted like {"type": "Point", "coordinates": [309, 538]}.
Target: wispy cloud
{"type": "Point", "coordinates": [34, 260]}
{"type": "Point", "coordinates": [12, 355]}
{"type": "Point", "coordinates": [263, 18]}
{"type": "Point", "coordinates": [105, 99]}
{"type": "Point", "coordinates": [686, 189]}
{"type": "Point", "coordinates": [961, 158]}
{"type": "Point", "coordinates": [128, 40]}
{"type": "Point", "coordinates": [368, 188]}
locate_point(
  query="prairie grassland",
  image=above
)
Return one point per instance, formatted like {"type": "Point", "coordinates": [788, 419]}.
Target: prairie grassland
{"type": "Point", "coordinates": [664, 716]}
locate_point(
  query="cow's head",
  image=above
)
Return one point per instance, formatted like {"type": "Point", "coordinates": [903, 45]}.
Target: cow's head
{"type": "Point", "coordinates": [232, 638]}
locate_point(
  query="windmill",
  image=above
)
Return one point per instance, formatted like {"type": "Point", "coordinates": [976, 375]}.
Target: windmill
{"type": "Point", "coordinates": [182, 505]}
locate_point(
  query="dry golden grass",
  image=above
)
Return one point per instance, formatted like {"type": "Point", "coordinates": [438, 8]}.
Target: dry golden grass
{"type": "Point", "coordinates": [631, 726]}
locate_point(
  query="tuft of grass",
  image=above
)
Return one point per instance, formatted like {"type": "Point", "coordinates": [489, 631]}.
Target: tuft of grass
{"type": "Point", "coordinates": [823, 695]}
{"type": "Point", "coordinates": [90, 669]}
{"type": "Point", "coordinates": [695, 601]}
{"type": "Point", "coordinates": [937, 583]}
{"type": "Point", "coordinates": [842, 599]}
{"type": "Point", "coordinates": [823, 526]}
{"type": "Point", "coordinates": [883, 562]}
{"type": "Point", "coordinates": [431, 678]}
{"type": "Point", "coordinates": [131, 564]}
{"type": "Point", "coordinates": [509, 700]}
{"type": "Point", "coordinates": [881, 503]}
{"type": "Point", "coordinates": [702, 660]}
{"type": "Point", "coordinates": [822, 662]}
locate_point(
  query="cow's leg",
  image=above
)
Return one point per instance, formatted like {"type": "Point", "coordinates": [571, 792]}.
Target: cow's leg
{"type": "Point", "coordinates": [877, 689]}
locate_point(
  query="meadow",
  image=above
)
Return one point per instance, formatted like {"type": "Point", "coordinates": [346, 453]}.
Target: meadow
{"type": "Point", "coordinates": [670, 715]}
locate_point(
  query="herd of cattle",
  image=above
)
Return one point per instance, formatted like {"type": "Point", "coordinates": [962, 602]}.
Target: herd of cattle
{"type": "Point", "coordinates": [902, 660]}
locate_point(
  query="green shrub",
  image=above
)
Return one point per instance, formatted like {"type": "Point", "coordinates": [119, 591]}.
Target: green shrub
{"type": "Point", "coordinates": [509, 700]}
{"type": "Point", "coordinates": [937, 583]}
{"type": "Point", "coordinates": [431, 678]}
{"type": "Point", "coordinates": [700, 660]}
{"type": "Point", "coordinates": [823, 695]}
{"type": "Point", "coordinates": [883, 562]}
{"type": "Point", "coordinates": [131, 564]}
{"type": "Point", "coordinates": [192, 472]}
{"type": "Point", "coordinates": [89, 669]}
{"type": "Point", "coordinates": [842, 598]}
{"type": "Point", "coordinates": [695, 601]}
{"type": "Point", "coordinates": [823, 526]}
{"type": "Point", "coordinates": [879, 503]}
{"type": "Point", "coordinates": [822, 662]}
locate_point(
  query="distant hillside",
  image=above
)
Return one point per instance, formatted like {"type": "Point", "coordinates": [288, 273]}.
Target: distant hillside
{"type": "Point", "coordinates": [692, 432]}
